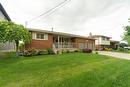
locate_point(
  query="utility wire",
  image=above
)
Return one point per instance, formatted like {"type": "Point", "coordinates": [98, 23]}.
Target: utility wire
{"type": "Point", "coordinates": [46, 11]}
{"type": "Point", "coordinates": [54, 10]}
{"type": "Point", "coordinates": [40, 19]}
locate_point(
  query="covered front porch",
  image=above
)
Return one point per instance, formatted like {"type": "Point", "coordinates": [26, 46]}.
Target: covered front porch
{"type": "Point", "coordinates": [63, 42]}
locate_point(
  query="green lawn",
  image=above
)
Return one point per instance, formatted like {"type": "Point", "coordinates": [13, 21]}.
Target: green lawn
{"type": "Point", "coordinates": [67, 70]}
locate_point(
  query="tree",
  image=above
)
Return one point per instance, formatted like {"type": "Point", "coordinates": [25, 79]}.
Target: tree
{"type": "Point", "coordinates": [3, 27]}
{"type": "Point", "coordinates": [9, 31]}
{"type": "Point", "coordinates": [127, 34]}
{"type": "Point", "coordinates": [122, 45]}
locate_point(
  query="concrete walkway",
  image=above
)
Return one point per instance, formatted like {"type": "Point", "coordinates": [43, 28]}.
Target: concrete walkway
{"type": "Point", "coordinates": [116, 54]}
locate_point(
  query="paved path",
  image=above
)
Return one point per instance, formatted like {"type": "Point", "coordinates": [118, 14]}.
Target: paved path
{"type": "Point", "coordinates": [116, 54]}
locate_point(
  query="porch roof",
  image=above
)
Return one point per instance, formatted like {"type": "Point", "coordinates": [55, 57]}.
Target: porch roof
{"type": "Point", "coordinates": [59, 33]}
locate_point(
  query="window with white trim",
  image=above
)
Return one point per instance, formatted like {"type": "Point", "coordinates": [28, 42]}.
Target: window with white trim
{"type": "Point", "coordinates": [41, 36]}
{"type": "Point", "coordinates": [103, 38]}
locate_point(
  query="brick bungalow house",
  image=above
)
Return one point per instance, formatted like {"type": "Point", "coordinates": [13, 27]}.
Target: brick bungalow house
{"type": "Point", "coordinates": [43, 39]}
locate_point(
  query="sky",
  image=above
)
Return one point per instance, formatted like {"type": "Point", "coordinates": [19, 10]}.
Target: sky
{"type": "Point", "coordinates": [102, 17]}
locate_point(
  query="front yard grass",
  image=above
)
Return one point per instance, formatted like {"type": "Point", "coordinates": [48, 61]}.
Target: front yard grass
{"type": "Point", "coordinates": [66, 70]}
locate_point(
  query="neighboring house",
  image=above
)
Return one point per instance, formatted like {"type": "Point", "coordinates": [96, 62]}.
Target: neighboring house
{"type": "Point", "coordinates": [114, 44]}
{"type": "Point", "coordinates": [4, 16]}
{"type": "Point", "coordinates": [43, 39]}
{"type": "Point", "coordinates": [102, 42]}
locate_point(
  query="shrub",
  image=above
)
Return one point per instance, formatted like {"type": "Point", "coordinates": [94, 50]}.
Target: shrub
{"type": "Point", "coordinates": [64, 51]}
{"type": "Point", "coordinates": [30, 52]}
{"type": "Point", "coordinates": [50, 51]}
{"type": "Point", "coordinates": [86, 50]}
{"type": "Point", "coordinates": [121, 49]}
{"type": "Point", "coordinates": [67, 51]}
{"type": "Point", "coordinates": [59, 52]}
{"type": "Point", "coordinates": [42, 52]}
{"type": "Point", "coordinates": [108, 49]}
{"type": "Point", "coordinates": [77, 50]}
{"type": "Point", "coordinates": [27, 53]}
{"type": "Point", "coordinates": [96, 52]}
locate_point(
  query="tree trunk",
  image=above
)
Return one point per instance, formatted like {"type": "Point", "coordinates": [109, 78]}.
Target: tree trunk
{"type": "Point", "coordinates": [17, 47]}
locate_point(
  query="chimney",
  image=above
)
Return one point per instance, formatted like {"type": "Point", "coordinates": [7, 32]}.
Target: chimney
{"type": "Point", "coordinates": [90, 34]}
{"type": "Point", "coordinates": [52, 29]}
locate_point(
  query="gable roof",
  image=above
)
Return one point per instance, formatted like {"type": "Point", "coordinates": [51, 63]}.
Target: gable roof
{"type": "Point", "coordinates": [59, 33]}
{"type": "Point", "coordinates": [4, 12]}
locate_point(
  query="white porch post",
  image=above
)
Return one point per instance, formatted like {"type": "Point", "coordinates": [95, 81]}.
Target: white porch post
{"type": "Point", "coordinates": [58, 40]}
{"type": "Point", "coordinates": [61, 43]}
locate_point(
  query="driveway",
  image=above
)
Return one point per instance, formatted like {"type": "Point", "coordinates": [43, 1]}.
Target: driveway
{"type": "Point", "coordinates": [116, 54]}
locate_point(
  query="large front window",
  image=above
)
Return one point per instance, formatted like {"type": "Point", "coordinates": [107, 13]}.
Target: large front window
{"type": "Point", "coordinates": [41, 36]}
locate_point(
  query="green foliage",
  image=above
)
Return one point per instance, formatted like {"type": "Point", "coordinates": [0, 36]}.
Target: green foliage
{"type": "Point", "coordinates": [77, 50]}
{"type": "Point", "coordinates": [30, 52]}
{"type": "Point", "coordinates": [127, 34]}
{"type": "Point", "coordinates": [121, 49]}
{"type": "Point", "coordinates": [108, 49]}
{"type": "Point", "coordinates": [64, 50]}
{"type": "Point", "coordinates": [34, 52]}
{"type": "Point", "coordinates": [50, 51]}
{"type": "Point", "coordinates": [42, 52]}
{"type": "Point", "coordinates": [122, 45]}
{"type": "Point", "coordinates": [21, 47]}
{"type": "Point", "coordinates": [96, 52]}
{"type": "Point", "coordinates": [60, 52]}
{"type": "Point", "coordinates": [68, 51]}
{"type": "Point", "coordinates": [4, 25]}
{"type": "Point", "coordinates": [9, 31]}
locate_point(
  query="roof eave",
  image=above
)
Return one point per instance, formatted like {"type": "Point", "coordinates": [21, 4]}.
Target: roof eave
{"type": "Point", "coordinates": [60, 33]}
{"type": "Point", "coordinates": [4, 12]}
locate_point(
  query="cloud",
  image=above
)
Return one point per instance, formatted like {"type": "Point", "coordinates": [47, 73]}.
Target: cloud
{"type": "Point", "coordinates": [78, 16]}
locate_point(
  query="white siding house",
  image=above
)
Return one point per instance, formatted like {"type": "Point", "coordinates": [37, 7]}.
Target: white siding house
{"type": "Point", "coordinates": [101, 41]}
{"type": "Point", "coordinates": [2, 17]}
{"type": "Point", "coordinates": [5, 46]}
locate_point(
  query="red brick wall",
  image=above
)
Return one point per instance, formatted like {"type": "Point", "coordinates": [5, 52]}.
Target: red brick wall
{"type": "Point", "coordinates": [86, 41]}
{"type": "Point", "coordinates": [41, 44]}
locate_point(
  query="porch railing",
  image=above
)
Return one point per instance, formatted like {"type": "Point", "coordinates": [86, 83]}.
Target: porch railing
{"type": "Point", "coordinates": [64, 45]}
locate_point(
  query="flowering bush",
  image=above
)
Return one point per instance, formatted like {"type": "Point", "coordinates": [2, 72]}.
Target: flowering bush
{"type": "Point", "coordinates": [86, 50]}
{"type": "Point", "coordinates": [108, 49]}
{"type": "Point", "coordinates": [30, 52]}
